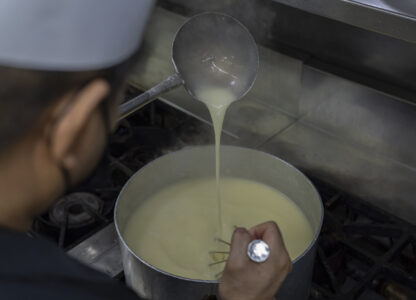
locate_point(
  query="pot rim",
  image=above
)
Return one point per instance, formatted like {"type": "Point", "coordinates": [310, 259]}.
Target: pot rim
{"type": "Point", "coordinates": [149, 165]}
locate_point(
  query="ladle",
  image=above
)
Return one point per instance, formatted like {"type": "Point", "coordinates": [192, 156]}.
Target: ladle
{"type": "Point", "coordinates": [210, 49]}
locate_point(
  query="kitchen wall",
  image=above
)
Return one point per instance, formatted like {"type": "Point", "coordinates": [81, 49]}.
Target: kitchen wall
{"type": "Point", "coordinates": [369, 41]}
{"type": "Point", "coordinates": [350, 135]}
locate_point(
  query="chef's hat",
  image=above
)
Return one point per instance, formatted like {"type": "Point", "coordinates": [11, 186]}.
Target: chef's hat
{"type": "Point", "coordinates": [70, 35]}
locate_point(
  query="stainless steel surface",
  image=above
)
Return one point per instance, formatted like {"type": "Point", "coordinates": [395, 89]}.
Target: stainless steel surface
{"type": "Point", "coordinates": [358, 115]}
{"type": "Point", "coordinates": [368, 56]}
{"type": "Point", "coordinates": [101, 251]}
{"type": "Point", "coordinates": [258, 251]}
{"type": "Point", "coordinates": [407, 7]}
{"type": "Point", "coordinates": [151, 283]}
{"type": "Point", "coordinates": [377, 16]}
{"type": "Point", "coordinates": [356, 138]}
{"type": "Point", "coordinates": [138, 102]}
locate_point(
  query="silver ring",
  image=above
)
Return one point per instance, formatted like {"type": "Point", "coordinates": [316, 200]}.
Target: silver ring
{"type": "Point", "coordinates": [258, 251]}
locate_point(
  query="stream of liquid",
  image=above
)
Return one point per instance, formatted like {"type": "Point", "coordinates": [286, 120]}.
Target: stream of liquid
{"type": "Point", "coordinates": [217, 100]}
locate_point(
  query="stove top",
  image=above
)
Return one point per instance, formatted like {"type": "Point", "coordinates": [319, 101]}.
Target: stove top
{"type": "Point", "coordinates": [363, 252]}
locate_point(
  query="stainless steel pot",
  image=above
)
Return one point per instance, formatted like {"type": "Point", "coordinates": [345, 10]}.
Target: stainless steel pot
{"type": "Point", "coordinates": [152, 283]}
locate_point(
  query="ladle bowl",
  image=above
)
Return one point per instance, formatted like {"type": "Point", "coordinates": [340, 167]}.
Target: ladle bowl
{"type": "Point", "coordinates": [210, 50]}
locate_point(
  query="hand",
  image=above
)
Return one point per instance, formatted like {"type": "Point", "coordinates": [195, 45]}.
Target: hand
{"type": "Point", "coordinates": [244, 279]}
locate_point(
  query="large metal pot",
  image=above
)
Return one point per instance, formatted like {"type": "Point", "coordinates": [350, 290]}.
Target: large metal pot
{"type": "Point", "coordinates": [152, 283]}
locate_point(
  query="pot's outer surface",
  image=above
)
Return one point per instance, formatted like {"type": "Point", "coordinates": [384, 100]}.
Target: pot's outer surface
{"type": "Point", "coordinates": [152, 283]}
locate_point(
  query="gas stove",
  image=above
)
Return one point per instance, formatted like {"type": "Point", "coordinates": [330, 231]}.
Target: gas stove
{"type": "Point", "coordinates": [363, 252]}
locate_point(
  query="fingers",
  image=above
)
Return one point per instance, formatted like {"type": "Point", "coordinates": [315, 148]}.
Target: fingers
{"type": "Point", "coordinates": [267, 228]}
{"type": "Point", "coordinates": [270, 233]}
{"type": "Point", "coordinates": [239, 243]}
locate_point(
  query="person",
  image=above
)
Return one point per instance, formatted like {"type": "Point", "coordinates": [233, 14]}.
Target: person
{"type": "Point", "coordinates": [63, 66]}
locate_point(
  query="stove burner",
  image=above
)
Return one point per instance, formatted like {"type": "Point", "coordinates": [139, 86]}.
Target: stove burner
{"type": "Point", "coordinates": [363, 253]}
{"type": "Point", "coordinates": [76, 210]}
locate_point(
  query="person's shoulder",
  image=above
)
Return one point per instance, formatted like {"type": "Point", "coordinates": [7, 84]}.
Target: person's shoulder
{"type": "Point", "coordinates": [23, 255]}
{"type": "Point", "coordinates": [37, 269]}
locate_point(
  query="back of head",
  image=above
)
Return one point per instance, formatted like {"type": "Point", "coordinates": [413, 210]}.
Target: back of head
{"type": "Point", "coordinates": [26, 94]}
{"type": "Point", "coordinates": [49, 47]}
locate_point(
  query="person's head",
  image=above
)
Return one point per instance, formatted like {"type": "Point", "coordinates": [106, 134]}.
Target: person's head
{"type": "Point", "coordinates": [54, 125]}
{"type": "Point", "coordinates": [58, 104]}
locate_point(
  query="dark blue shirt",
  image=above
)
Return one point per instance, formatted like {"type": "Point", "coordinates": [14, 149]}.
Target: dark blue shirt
{"type": "Point", "coordinates": [37, 269]}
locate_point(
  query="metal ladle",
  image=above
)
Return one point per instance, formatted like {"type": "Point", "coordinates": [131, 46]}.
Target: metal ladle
{"type": "Point", "coordinates": [210, 49]}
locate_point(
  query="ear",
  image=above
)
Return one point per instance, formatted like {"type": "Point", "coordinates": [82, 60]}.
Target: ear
{"type": "Point", "coordinates": [73, 119]}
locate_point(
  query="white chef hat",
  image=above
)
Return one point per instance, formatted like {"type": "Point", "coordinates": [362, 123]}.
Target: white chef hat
{"type": "Point", "coordinates": [70, 35]}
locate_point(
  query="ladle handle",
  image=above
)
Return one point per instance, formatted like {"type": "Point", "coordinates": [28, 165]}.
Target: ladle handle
{"type": "Point", "coordinates": [138, 102]}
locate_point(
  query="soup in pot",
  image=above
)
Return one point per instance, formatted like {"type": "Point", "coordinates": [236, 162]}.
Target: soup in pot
{"type": "Point", "coordinates": [175, 229]}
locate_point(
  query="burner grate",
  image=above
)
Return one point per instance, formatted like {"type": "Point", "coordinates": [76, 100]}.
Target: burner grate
{"type": "Point", "coordinates": [363, 252]}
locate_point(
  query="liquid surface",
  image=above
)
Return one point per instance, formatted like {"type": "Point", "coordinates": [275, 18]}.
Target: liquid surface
{"type": "Point", "coordinates": [174, 229]}
{"type": "Point", "coordinates": [217, 100]}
